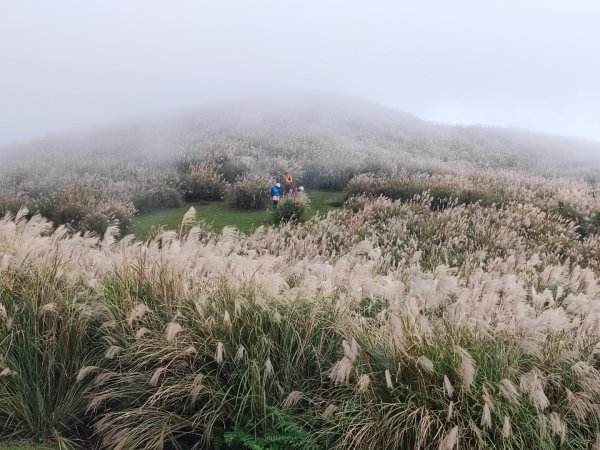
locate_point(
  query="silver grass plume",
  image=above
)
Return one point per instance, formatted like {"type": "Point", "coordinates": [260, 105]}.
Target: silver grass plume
{"type": "Point", "coordinates": [426, 364]}
{"type": "Point", "coordinates": [189, 218]}
{"type": "Point", "coordinates": [156, 376]}
{"type": "Point", "coordinates": [172, 329]}
{"type": "Point", "coordinates": [113, 351]}
{"type": "Point", "coordinates": [363, 383]}
{"type": "Point", "coordinates": [450, 441]}
{"type": "Point", "coordinates": [110, 235]}
{"type": "Point", "coordinates": [220, 352]}
{"type": "Point", "coordinates": [467, 367]}
{"type": "Point", "coordinates": [448, 387]}
{"type": "Point", "coordinates": [292, 399]}
{"type": "Point", "coordinates": [85, 371]}
{"type": "Point", "coordinates": [506, 428]}
{"type": "Point", "coordinates": [531, 384]}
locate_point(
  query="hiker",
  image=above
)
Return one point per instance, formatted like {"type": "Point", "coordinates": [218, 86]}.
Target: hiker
{"type": "Point", "coordinates": [275, 193]}
{"type": "Point", "coordinates": [287, 179]}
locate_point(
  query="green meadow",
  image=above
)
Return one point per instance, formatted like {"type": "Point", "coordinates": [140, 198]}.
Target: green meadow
{"type": "Point", "coordinates": [219, 215]}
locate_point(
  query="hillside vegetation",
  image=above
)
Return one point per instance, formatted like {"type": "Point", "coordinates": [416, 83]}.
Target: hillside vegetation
{"type": "Point", "coordinates": [89, 179]}
{"type": "Point", "coordinates": [453, 302]}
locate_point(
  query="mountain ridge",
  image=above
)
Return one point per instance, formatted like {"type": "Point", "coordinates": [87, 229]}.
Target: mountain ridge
{"type": "Point", "coordinates": [337, 122]}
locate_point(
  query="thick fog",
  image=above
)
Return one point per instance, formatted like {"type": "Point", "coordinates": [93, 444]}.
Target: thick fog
{"type": "Point", "coordinates": [532, 64]}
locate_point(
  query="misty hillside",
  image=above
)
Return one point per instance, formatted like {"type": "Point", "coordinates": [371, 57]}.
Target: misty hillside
{"type": "Point", "coordinates": [90, 178]}
{"type": "Point", "coordinates": [259, 225]}
{"type": "Point", "coordinates": [319, 128]}
{"type": "Point", "coordinates": [454, 286]}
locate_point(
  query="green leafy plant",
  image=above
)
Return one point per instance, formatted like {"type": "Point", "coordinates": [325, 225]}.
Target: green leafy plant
{"type": "Point", "coordinates": [280, 432]}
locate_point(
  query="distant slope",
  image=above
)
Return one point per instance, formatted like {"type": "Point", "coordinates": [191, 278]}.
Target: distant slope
{"type": "Point", "coordinates": [325, 129]}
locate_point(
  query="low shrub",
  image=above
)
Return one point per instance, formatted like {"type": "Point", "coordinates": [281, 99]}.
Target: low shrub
{"type": "Point", "coordinates": [203, 183]}
{"type": "Point", "coordinates": [407, 186]}
{"type": "Point", "coordinates": [118, 212]}
{"type": "Point", "coordinates": [156, 197]}
{"type": "Point", "coordinates": [65, 204]}
{"type": "Point", "coordinates": [231, 169]}
{"type": "Point", "coordinates": [291, 208]}
{"type": "Point", "coordinates": [362, 184]}
{"type": "Point", "coordinates": [226, 162]}
{"type": "Point", "coordinates": [328, 178]}
{"type": "Point", "coordinates": [101, 216]}
{"type": "Point", "coordinates": [13, 201]}
{"type": "Point", "coordinates": [373, 164]}
{"type": "Point", "coordinates": [95, 222]}
{"type": "Point", "coordinates": [587, 224]}
{"type": "Point", "coordinates": [250, 191]}
{"type": "Point", "coordinates": [281, 430]}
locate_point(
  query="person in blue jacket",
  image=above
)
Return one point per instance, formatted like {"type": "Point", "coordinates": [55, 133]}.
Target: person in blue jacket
{"type": "Point", "coordinates": [275, 193]}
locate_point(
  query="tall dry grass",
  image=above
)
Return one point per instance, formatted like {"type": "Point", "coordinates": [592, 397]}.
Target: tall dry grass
{"type": "Point", "coordinates": [393, 326]}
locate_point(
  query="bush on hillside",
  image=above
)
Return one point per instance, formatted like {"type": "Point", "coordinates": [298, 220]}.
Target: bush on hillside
{"type": "Point", "coordinates": [406, 187]}
{"type": "Point", "coordinates": [118, 212]}
{"type": "Point", "coordinates": [291, 208]}
{"type": "Point", "coordinates": [231, 169]}
{"type": "Point", "coordinates": [79, 207]}
{"type": "Point", "coordinates": [95, 222]}
{"type": "Point", "coordinates": [328, 178]}
{"type": "Point", "coordinates": [250, 191]}
{"type": "Point", "coordinates": [98, 219]}
{"type": "Point", "coordinates": [156, 197]}
{"type": "Point", "coordinates": [587, 224]}
{"type": "Point", "coordinates": [374, 164]}
{"type": "Point", "coordinates": [203, 183]}
{"type": "Point", "coordinates": [64, 204]}
{"type": "Point", "coordinates": [13, 201]}
{"type": "Point", "coordinates": [227, 162]}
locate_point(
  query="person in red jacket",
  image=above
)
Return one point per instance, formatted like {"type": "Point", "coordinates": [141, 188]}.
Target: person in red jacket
{"type": "Point", "coordinates": [288, 180]}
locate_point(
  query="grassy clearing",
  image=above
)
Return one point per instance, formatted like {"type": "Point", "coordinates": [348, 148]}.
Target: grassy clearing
{"type": "Point", "coordinates": [220, 215]}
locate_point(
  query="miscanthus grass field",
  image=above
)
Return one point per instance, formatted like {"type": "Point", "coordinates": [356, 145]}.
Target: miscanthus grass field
{"type": "Point", "coordinates": [452, 302]}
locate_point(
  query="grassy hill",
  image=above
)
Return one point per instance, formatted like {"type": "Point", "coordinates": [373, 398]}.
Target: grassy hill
{"type": "Point", "coordinates": [90, 178]}
{"type": "Point", "coordinates": [451, 302]}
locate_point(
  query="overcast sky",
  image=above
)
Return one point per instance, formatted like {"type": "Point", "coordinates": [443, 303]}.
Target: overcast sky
{"type": "Point", "coordinates": [529, 63]}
